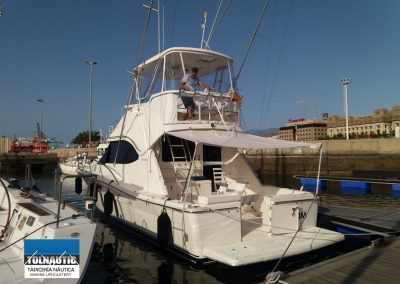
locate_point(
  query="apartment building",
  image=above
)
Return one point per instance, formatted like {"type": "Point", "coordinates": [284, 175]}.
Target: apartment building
{"type": "Point", "coordinates": [382, 121]}
{"type": "Point", "coordinates": [303, 130]}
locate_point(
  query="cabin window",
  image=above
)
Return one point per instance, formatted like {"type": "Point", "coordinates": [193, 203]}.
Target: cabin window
{"type": "Point", "coordinates": [173, 76]}
{"type": "Point", "coordinates": [213, 70]}
{"type": "Point", "coordinates": [183, 150]}
{"type": "Point", "coordinates": [126, 153]}
{"type": "Point", "coordinates": [150, 79]}
{"type": "Point", "coordinates": [219, 80]}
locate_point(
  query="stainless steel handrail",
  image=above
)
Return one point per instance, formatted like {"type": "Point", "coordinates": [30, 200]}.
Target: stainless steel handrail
{"type": "Point", "coordinates": [60, 191]}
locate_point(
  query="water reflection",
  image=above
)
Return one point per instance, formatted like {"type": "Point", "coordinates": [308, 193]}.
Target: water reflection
{"type": "Point", "coordinates": [120, 258]}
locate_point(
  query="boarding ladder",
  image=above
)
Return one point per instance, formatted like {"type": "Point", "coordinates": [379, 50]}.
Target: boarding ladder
{"type": "Point", "coordinates": [180, 160]}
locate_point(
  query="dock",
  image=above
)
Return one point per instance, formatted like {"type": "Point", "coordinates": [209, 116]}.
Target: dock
{"type": "Point", "coordinates": [377, 263]}
{"type": "Point", "coordinates": [351, 185]}
{"type": "Point", "coordinates": [367, 265]}
{"type": "Point", "coordinates": [369, 220]}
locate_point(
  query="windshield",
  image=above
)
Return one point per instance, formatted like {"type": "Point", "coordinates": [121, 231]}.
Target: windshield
{"type": "Point", "coordinates": [167, 72]}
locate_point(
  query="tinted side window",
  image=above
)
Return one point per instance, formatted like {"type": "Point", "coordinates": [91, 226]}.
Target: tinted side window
{"type": "Point", "coordinates": [211, 153]}
{"type": "Point", "coordinates": [126, 153]}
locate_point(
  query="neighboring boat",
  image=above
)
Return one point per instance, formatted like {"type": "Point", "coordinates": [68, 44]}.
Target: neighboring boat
{"type": "Point", "coordinates": [81, 161]}
{"type": "Point", "coordinates": [71, 166]}
{"type": "Point", "coordinates": [31, 215]}
{"type": "Point", "coordinates": [184, 182]}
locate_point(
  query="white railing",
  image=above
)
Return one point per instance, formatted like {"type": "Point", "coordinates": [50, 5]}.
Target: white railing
{"type": "Point", "coordinates": [211, 106]}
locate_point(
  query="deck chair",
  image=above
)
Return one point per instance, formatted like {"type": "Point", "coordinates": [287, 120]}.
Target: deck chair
{"type": "Point", "coordinates": [219, 179]}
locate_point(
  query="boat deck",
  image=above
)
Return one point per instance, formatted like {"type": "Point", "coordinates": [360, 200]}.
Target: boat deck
{"type": "Point", "coordinates": [367, 265]}
{"type": "Point", "coordinates": [257, 247]}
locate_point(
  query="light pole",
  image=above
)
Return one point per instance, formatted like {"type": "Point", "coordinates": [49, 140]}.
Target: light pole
{"type": "Point", "coordinates": [345, 83]}
{"type": "Point", "coordinates": [41, 124]}
{"type": "Point", "coordinates": [91, 63]}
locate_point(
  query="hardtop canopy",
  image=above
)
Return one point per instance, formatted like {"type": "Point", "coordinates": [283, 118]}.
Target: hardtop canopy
{"type": "Point", "coordinates": [236, 139]}
{"type": "Point", "coordinates": [206, 61]}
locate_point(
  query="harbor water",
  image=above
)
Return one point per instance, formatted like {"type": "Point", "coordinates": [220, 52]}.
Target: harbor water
{"type": "Point", "coordinates": [121, 256]}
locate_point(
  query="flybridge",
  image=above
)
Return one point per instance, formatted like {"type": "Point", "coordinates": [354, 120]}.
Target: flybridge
{"type": "Point", "coordinates": [162, 74]}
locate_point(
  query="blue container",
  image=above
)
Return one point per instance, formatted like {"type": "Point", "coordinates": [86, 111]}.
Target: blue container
{"type": "Point", "coordinates": [347, 230]}
{"type": "Point", "coordinates": [355, 187]}
{"type": "Point", "coordinates": [310, 184]}
{"type": "Point", "coordinates": [396, 190]}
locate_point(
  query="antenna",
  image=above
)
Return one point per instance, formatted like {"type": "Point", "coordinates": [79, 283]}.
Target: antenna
{"type": "Point", "coordinates": [212, 27]}
{"type": "Point", "coordinates": [203, 27]}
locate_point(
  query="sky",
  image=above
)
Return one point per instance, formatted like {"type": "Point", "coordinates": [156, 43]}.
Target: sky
{"type": "Point", "coordinates": [302, 50]}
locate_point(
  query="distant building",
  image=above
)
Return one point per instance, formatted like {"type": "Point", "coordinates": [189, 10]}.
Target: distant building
{"type": "Point", "coordinates": [287, 133]}
{"type": "Point", "coordinates": [303, 130]}
{"type": "Point", "coordinates": [5, 144]}
{"type": "Point", "coordinates": [381, 122]}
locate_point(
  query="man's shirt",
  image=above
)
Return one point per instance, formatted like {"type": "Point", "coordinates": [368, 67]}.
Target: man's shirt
{"type": "Point", "coordinates": [192, 83]}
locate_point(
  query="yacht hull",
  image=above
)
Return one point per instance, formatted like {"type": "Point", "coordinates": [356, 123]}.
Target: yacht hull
{"type": "Point", "coordinates": [214, 232]}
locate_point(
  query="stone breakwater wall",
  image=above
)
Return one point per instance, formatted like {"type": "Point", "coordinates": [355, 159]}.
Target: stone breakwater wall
{"type": "Point", "coordinates": [40, 162]}
{"type": "Point", "coordinates": [363, 158]}
{"type": "Point", "coordinates": [13, 163]}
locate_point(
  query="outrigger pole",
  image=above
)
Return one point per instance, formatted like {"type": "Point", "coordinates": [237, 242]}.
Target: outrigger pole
{"type": "Point", "coordinates": [252, 40]}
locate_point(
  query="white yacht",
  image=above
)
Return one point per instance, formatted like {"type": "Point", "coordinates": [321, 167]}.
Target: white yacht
{"type": "Point", "coordinates": [81, 161]}
{"type": "Point", "coordinates": [186, 183]}
{"type": "Point", "coordinates": [73, 165]}
{"type": "Point", "coordinates": [35, 216]}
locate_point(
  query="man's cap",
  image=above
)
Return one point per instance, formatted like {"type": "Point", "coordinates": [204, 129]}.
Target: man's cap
{"type": "Point", "coordinates": [195, 69]}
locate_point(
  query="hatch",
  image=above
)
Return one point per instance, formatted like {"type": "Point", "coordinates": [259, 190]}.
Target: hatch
{"type": "Point", "coordinates": [34, 209]}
